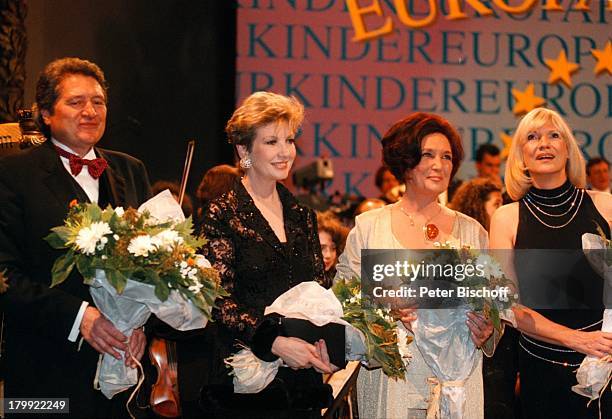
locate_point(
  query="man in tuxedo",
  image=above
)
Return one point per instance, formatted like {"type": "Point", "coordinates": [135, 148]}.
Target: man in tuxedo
{"type": "Point", "coordinates": [53, 336]}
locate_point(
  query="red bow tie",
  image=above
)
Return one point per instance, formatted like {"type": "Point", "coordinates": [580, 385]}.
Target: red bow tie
{"type": "Point", "coordinates": [95, 167]}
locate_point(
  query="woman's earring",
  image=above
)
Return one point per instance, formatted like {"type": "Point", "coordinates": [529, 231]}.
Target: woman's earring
{"type": "Point", "coordinates": [246, 163]}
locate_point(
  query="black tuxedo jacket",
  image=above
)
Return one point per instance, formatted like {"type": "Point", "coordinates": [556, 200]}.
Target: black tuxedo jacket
{"type": "Point", "coordinates": [35, 191]}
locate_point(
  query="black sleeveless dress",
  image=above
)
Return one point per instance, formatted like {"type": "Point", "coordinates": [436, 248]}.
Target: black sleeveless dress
{"type": "Point", "coordinates": [547, 372]}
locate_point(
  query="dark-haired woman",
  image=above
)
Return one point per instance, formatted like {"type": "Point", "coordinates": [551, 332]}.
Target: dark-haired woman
{"type": "Point", "coordinates": [332, 236]}
{"type": "Point", "coordinates": [425, 151]}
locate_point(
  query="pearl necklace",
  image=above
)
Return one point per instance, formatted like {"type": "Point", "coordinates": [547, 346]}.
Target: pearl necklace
{"type": "Point", "coordinates": [552, 197]}
{"type": "Point", "coordinates": [552, 361]}
{"type": "Point", "coordinates": [531, 202]}
{"type": "Point", "coordinates": [571, 206]}
{"type": "Point", "coordinates": [531, 196]}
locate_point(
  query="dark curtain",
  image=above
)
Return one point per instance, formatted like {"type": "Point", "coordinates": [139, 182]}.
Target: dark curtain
{"type": "Point", "coordinates": [170, 67]}
{"type": "Point", "coordinates": [13, 44]}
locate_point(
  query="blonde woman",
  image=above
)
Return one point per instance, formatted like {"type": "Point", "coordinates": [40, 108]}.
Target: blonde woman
{"type": "Point", "coordinates": [545, 173]}
{"type": "Point", "coordinates": [263, 242]}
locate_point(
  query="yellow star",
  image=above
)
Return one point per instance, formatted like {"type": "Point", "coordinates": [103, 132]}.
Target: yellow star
{"type": "Point", "coordinates": [604, 58]}
{"type": "Point", "coordinates": [526, 100]}
{"type": "Point", "coordinates": [507, 140]}
{"type": "Point", "coordinates": [561, 69]}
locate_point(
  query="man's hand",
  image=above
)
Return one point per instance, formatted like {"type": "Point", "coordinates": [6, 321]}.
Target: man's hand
{"type": "Point", "coordinates": [100, 333]}
{"type": "Point", "coordinates": [137, 345]}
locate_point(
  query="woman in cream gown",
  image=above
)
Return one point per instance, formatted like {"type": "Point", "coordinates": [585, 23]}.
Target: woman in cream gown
{"type": "Point", "coordinates": [425, 151]}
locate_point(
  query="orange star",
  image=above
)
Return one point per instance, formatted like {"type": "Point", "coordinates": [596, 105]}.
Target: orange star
{"type": "Point", "coordinates": [604, 58]}
{"type": "Point", "coordinates": [526, 100]}
{"type": "Point", "coordinates": [561, 69]}
{"type": "Point", "coordinates": [507, 140]}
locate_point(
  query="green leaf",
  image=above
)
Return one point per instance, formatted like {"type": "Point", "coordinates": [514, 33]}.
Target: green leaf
{"type": "Point", "coordinates": [114, 222]}
{"type": "Point", "coordinates": [94, 212]}
{"type": "Point", "coordinates": [84, 266]}
{"type": "Point", "coordinates": [107, 214]}
{"type": "Point", "coordinates": [116, 279]}
{"type": "Point", "coordinates": [162, 291]}
{"type": "Point", "coordinates": [494, 314]}
{"type": "Point", "coordinates": [55, 241]}
{"type": "Point", "coordinates": [65, 233]}
{"type": "Point", "coordinates": [62, 268]}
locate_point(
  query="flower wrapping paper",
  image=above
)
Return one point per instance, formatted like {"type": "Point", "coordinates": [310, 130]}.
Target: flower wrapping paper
{"type": "Point", "coordinates": [130, 310]}
{"type": "Point", "coordinates": [444, 341]}
{"type": "Point", "coordinates": [593, 373]}
{"type": "Point", "coordinates": [306, 301]}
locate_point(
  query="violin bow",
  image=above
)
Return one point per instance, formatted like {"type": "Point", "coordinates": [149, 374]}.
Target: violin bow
{"type": "Point", "coordinates": [186, 168]}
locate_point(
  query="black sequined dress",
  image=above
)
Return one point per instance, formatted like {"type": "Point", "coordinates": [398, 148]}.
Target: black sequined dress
{"type": "Point", "coordinates": [255, 268]}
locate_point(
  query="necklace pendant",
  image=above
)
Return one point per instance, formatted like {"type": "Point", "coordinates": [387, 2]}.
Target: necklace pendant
{"type": "Point", "coordinates": [431, 231]}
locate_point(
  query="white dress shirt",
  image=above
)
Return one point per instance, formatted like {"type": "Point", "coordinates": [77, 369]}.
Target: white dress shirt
{"type": "Point", "coordinates": [91, 187]}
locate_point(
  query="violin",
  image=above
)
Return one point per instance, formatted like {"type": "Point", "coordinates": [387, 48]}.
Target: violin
{"type": "Point", "coordinates": [164, 399]}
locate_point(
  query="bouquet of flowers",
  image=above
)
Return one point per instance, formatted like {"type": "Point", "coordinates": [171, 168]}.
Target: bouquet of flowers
{"type": "Point", "coordinates": [442, 336]}
{"type": "Point", "coordinates": [385, 344]}
{"type": "Point", "coordinates": [137, 262]}
{"type": "Point", "coordinates": [594, 374]}
{"type": "Point", "coordinates": [370, 333]}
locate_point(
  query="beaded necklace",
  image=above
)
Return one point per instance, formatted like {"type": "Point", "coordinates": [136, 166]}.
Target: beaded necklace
{"type": "Point", "coordinates": [563, 207]}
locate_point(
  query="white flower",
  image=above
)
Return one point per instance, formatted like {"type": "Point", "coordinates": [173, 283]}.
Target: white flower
{"type": "Point", "coordinates": [196, 287]}
{"type": "Point", "coordinates": [119, 211]}
{"type": "Point", "coordinates": [116, 237]}
{"type": "Point", "coordinates": [202, 262]}
{"type": "Point", "coordinates": [402, 345]}
{"type": "Point", "coordinates": [503, 293]}
{"type": "Point", "coordinates": [88, 237]}
{"type": "Point", "coordinates": [166, 239]}
{"type": "Point", "coordinates": [100, 229]}
{"type": "Point", "coordinates": [86, 241]}
{"type": "Point", "coordinates": [490, 266]}
{"type": "Point", "coordinates": [141, 246]}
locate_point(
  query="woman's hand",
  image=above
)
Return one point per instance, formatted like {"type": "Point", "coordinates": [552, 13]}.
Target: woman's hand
{"type": "Point", "coordinates": [299, 354]}
{"type": "Point", "coordinates": [324, 356]}
{"type": "Point", "coordinates": [598, 343]}
{"type": "Point", "coordinates": [480, 328]}
{"type": "Point", "coordinates": [407, 316]}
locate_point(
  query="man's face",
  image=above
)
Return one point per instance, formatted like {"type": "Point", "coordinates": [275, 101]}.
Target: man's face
{"type": "Point", "coordinates": [599, 176]}
{"type": "Point", "coordinates": [489, 166]}
{"type": "Point", "coordinates": [79, 114]}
